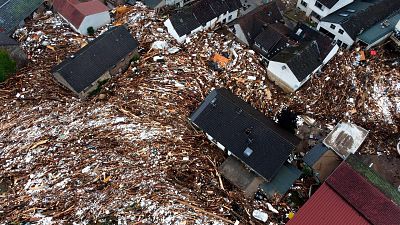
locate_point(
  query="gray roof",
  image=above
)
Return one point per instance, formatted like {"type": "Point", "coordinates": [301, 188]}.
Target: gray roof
{"type": "Point", "coordinates": [271, 41]}
{"type": "Point", "coordinates": [302, 60]}
{"type": "Point", "coordinates": [152, 3]}
{"type": "Point", "coordinates": [315, 154]}
{"type": "Point", "coordinates": [192, 17]}
{"type": "Point", "coordinates": [12, 12]}
{"type": "Point", "coordinates": [5, 40]}
{"type": "Point", "coordinates": [379, 30]}
{"type": "Point", "coordinates": [362, 14]}
{"type": "Point", "coordinates": [328, 3]}
{"type": "Point", "coordinates": [93, 60]}
{"type": "Point", "coordinates": [246, 132]}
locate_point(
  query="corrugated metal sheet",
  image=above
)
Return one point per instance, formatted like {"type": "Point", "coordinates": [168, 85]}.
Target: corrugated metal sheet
{"type": "Point", "coordinates": [325, 207]}
{"type": "Point", "coordinates": [363, 196]}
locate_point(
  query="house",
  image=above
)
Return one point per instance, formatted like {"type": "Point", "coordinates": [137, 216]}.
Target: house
{"type": "Point", "coordinates": [155, 4]}
{"type": "Point", "coordinates": [355, 195]}
{"type": "Point", "coordinates": [294, 65]}
{"type": "Point", "coordinates": [82, 14]}
{"type": "Point", "coordinates": [103, 58]}
{"type": "Point", "coordinates": [317, 9]}
{"type": "Point", "coordinates": [346, 138]}
{"type": "Point", "coordinates": [348, 23]}
{"type": "Point", "coordinates": [273, 39]}
{"type": "Point", "coordinates": [396, 35]}
{"type": "Point", "coordinates": [243, 132]}
{"type": "Point", "coordinates": [249, 26]}
{"type": "Point", "coordinates": [13, 49]}
{"type": "Point", "coordinates": [202, 15]}
{"type": "Point", "coordinates": [13, 13]}
{"type": "Point", "coordinates": [378, 32]}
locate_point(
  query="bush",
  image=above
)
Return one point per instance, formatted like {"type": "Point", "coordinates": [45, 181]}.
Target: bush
{"type": "Point", "coordinates": [7, 65]}
{"type": "Point", "coordinates": [90, 31]}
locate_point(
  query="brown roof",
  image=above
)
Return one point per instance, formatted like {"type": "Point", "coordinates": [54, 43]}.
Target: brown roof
{"type": "Point", "coordinates": [75, 11]}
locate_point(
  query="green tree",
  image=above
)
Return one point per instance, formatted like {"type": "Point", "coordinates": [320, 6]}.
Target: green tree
{"type": "Point", "coordinates": [7, 65]}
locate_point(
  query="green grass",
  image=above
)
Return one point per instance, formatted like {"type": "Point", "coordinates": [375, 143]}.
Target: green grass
{"type": "Point", "coordinates": [7, 66]}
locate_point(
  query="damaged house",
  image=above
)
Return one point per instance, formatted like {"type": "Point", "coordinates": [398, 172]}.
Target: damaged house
{"type": "Point", "coordinates": [202, 15]}
{"type": "Point", "coordinates": [82, 15]}
{"type": "Point", "coordinates": [257, 146]}
{"type": "Point", "coordinates": [103, 58]}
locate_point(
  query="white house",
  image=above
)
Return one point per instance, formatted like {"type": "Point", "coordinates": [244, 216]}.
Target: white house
{"type": "Point", "coordinates": [321, 8]}
{"type": "Point", "coordinates": [203, 15]}
{"type": "Point", "coordinates": [294, 66]}
{"type": "Point", "coordinates": [346, 24]}
{"type": "Point", "coordinates": [83, 14]}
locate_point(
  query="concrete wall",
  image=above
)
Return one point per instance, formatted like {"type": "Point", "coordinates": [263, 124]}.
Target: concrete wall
{"type": "Point", "coordinates": [95, 21]}
{"type": "Point", "coordinates": [345, 38]}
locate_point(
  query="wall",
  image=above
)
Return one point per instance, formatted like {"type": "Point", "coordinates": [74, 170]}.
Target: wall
{"type": "Point", "coordinates": [172, 31]}
{"type": "Point", "coordinates": [345, 38]}
{"type": "Point", "coordinates": [95, 21]}
{"type": "Point", "coordinates": [331, 54]}
{"type": "Point", "coordinates": [284, 78]}
{"type": "Point", "coordinates": [123, 65]}
{"type": "Point", "coordinates": [240, 34]}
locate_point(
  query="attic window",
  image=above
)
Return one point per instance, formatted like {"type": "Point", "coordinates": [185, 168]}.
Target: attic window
{"type": "Point", "coordinates": [341, 31]}
{"type": "Point", "coordinates": [350, 10]}
{"type": "Point", "coordinates": [247, 152]}
{"type": "Point", "coordinates": [213, 102]}
{"type": "Point", "coordinates": [283, 67]}
{"type": "Point", "coordinates": [343, 14]}
{"type": "Point", "coordinates": [299, 32]}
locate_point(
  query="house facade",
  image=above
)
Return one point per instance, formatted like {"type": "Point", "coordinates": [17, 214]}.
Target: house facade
{"type": "Point", "coordinates": [203, 15]}
{"type": "Point", "coordinates": [83, 15]}
{"type": "Point", "coordinates": [351, 21]}
{"type": "Point", "coordinates": [317, 9]}
{"type": "Point", "coordinates": [108, 55]}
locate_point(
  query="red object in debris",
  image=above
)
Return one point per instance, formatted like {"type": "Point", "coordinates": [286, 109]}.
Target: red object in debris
{"type": "Point", "coordinates": [373, 52]}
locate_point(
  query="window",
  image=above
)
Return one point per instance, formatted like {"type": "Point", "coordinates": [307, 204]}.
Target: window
{"type": "Point", "coordinates": [230, 18]}
{"type": "Point", "coordinates": [339, 42]}
{"type": "Point", "coordinates": [333, 26]}
{"type": "Point", "coordinates": [318, 5]}
{"type": "Point", "coordinates": [341, 31]}
{"type": "Point", "coordinates": [303, 3]}
{"type": "Point", "coordinates": [344, 45]}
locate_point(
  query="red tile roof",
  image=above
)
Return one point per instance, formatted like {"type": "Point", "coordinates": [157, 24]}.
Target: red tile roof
{"type": "Point", "coordinates": [75, 11]}
{"type": "Point", "coordinates": [363, 196]}
{"type": "Point", "coordinates": [326, 207]}
{"type": "Point", "coordinates": [348, 198]}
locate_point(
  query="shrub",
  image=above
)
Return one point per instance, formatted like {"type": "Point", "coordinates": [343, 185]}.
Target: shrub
{"type": "Point", "coordinates": [7, 65]}
{"type": "Point", "coordinates": [90, 31]}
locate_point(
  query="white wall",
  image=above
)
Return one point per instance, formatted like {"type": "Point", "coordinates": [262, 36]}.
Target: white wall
{"type": "Point", "coordinates": [95, 21]}
{"type": "Point", "coordinates": [345, 38]}
{"type": "Point", "coordinates": [240, 34]}
{"type": "Point", "coordinates": [331, 54]}
{"type": "Point", "coordinates": [286, 75]}
{"type": "Point", "coordinates": [324, 11]}
{"type": "Point", "coordinates": [172, 31]}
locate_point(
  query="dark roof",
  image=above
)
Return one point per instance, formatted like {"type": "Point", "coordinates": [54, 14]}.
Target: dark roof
{"type": "Point", "coordinates": [184, 22]}
{"type": "Point", "coordinates": [363, 196]}
{"type": "Point", "coordinates": [253, 23]}
{"type": "Point", "coordinates": [93, 60]}
{"type": "Point", "coordinates": [308, 34]}
{"type": "Point", "coordinates": [361, 15]}
{"type": "Point", "coordinates": [302, 60]}
{"type": "Point", "coordinates": [5, 40]}
{"type": "Point", "coordinates": [271, 41]}
{"type": "Point", "coordinates": [315, 154]}
{"type": "Point", "coordinates": [328, 3]}
{"type": "Point", "coordinates": [12, 12]}
{"type": "Point", "coordinates": [238, 126]}
{"type": "Point", "coordinates": [152, 3]}
{"type": "Point", "coordinates": [201, 12]}
{"type": "Point", "coordinates": [347, 198]}
{"type": "Point", "coordinates": [281, 183]}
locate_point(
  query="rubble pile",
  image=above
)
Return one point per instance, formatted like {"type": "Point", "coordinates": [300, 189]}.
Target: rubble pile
{"type": "Point", "coordinates": [130, 155]}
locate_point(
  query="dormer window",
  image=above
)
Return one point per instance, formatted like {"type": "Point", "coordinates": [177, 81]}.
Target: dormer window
{"type": "Point", "coordinates": [319, 5]}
